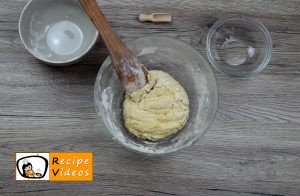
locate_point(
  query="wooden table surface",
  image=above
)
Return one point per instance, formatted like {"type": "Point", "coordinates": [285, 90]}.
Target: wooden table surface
{"type": "Point", "coordinates": [252, 148]}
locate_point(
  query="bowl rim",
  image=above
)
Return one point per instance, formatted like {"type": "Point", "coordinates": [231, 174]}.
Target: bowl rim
{"type": "Point", "coordinates": [259, 25]}
{"type": "Point", "coordinates": [197, 138]}
{"type": "Point", "coordinates": [47, 61]}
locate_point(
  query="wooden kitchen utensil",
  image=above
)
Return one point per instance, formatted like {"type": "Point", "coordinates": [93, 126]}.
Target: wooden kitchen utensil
{"type": "Point", "coordinates": [131, 73]}
{"type": "Point", "coordinates": [155, 17]}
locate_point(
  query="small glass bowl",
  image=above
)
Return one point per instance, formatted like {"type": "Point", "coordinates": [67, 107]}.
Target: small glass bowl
{"type": "Point", "coordinates": [182, 62]}
{"type": "Point", "coordinates": [239, 46]}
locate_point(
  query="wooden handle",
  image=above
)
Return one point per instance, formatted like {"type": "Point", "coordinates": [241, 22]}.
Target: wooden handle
{"type": "Point", "coordinates": [145, 18]}
{"type": "Point", "coordinates": [155, 17]}
{"type": "Point", "coordinates": [130, 72]}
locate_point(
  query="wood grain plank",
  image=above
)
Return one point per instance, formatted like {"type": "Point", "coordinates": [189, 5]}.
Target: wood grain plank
{"type": "Point", "coordinates": [273, 159]}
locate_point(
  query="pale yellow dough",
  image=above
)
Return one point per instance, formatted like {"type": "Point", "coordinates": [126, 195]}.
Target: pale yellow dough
{"type": "Point", "coordinates": [158, 110]}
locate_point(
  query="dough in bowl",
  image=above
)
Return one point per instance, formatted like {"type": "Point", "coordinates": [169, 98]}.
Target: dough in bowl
{"type": "Point", "coordinates": [158, 110]}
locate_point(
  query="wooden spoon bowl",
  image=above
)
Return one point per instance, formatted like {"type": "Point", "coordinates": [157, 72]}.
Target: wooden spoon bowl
{"type": "Point", "coordinates": [131, 73]}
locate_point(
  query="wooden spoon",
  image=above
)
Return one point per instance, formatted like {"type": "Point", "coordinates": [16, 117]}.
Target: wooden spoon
{"type": "Point", "coordinates": [131, 73]}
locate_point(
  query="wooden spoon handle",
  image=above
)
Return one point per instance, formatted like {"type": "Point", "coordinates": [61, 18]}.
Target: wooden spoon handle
{"type": "Point", "coordinates": [109, 36]}
{"type": "Point", "coordinates": [130, 72]}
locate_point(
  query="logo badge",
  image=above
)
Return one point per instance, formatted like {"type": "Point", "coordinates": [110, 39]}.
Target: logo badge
{"type": "Point", "coordinates": [54, 166]}
{"type": "Point", "coordinates": [32, 166]}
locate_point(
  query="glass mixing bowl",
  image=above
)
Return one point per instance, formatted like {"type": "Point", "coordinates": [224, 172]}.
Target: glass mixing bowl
{"type": "Point", "coordinates": [187, 66]}
{"type": "Point", "coordinates": [239, 46]}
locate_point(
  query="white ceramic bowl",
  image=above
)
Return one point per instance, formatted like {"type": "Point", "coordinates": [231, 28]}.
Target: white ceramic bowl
{"type": "Point", "coordinates": [58, 32]}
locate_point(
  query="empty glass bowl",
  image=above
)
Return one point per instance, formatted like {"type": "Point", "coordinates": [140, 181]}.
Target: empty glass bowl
{"type": "Point", "coordinates": [239, 46]}
{"type": "Point", "coordinates": [187, 66]}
